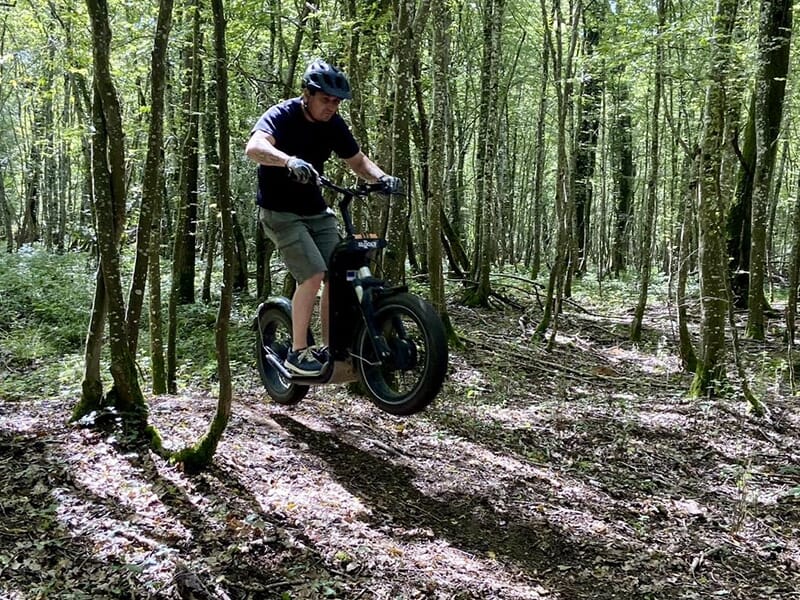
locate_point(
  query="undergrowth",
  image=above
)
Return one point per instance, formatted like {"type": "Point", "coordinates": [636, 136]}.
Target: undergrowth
{"type": "Point", "coordinates": [45, 306]}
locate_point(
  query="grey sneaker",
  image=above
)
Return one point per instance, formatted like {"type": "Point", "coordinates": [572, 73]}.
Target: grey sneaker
{"type": "Point", "coordinates": [303, 362]}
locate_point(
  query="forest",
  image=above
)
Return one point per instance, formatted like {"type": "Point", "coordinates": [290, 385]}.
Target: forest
{"type": "Point", "coordinates": [602, 205]}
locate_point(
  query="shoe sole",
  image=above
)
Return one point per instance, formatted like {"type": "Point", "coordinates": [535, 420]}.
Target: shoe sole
{"type": "Point", "coordinates": [298, 371]}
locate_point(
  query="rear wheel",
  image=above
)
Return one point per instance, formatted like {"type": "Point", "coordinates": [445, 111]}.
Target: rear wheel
{"type": "Point", "coordinates": [274, 338]}
{"type": "Point", "coordinates": [410, 378]}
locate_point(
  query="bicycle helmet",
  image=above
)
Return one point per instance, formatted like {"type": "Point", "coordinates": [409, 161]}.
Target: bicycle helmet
{"type": "Point", "coordinates": [322, 77]}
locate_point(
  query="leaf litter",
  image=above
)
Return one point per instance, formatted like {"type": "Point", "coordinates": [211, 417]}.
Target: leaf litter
{"type": "Point", "coordinates": [582, 472]}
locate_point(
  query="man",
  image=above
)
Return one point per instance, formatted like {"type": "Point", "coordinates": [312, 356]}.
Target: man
{"type": "Point", "coordinates": [290, 143]}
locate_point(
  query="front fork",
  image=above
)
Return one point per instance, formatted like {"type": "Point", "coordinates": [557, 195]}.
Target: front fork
{"type": "Point", "coordinates": [365, 285]}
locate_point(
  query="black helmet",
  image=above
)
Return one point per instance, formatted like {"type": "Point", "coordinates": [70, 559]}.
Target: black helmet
{"type": "Point", "coordinates": [322, 77]}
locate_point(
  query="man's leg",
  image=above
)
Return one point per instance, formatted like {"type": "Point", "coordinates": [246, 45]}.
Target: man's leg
{"type": "Point", "coordinates": [325, 315]}
{"type": "Point", "coordinates": [305, 296]}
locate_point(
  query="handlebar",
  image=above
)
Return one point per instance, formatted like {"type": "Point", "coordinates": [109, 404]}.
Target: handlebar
{"type": "Point", "coordinates": [360, 191]}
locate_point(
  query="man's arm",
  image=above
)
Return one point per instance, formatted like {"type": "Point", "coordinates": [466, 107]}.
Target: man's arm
{"type": "Point", "coordinates": [261, 149]}
{"type": "Point", "coordinates": [364, 167]}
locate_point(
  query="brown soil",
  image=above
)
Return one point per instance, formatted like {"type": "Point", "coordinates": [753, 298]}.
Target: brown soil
{"type": "Point", "coordinates": [577, 473]}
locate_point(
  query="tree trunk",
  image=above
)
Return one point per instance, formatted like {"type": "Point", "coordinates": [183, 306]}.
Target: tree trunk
{"type": "Point", "coordinates": [487, 155]}
{"type": "Point", "coordinates": [183, 255]}
{"type": "Point", "coordinates": [710, 376]}
{"type": "Point", "coordinates": [438, 160]}
{"type": "Point", "coordinates": [153, 172]}
{"type": "Point", "coordinates": [394, 256]}
{"type": "Point", "coordinates": [29, 230]}
{"type": "Point", "coordinates": [538, 176]}
{"type": "Point", "coordinates": [648, 224]}
{"type": "Point", "coordinates": [588, 131]}
{"type": "Point", "coordinates": [686, 216]}
{"type": "Point", "coordinates": [622, 158]}
{"type": "Point", "coordinates": [738, 222]}
{"type": "Point", "coordinates": [108, 164]}
{"type": "Point", "coordinates": [563, 71]}
{"type": "Point", "coordinates": [791, 301]}
{"type": "Point", "coordinates": [775, 31]}
{"type": "Point", "coordinates": [186, 223]}
{"type": "Point", "coordinates": [5, 213]}
{"type": "Point", "coordinates": [212, 184]}
{"type": "Point", "coordinates": [200, 455]}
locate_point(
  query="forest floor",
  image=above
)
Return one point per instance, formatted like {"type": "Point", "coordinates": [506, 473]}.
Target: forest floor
{"type": "Point", "coordinates": [582, 472]}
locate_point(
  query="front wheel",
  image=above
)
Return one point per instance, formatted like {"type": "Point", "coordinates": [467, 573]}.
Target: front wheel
{"type": "Point", "coordinates": [410, 378]}
{"type": "Point", "coordinates": [274, 338]}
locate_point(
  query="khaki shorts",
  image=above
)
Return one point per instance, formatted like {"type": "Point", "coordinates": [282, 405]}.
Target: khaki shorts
{"type": "Point", "coordinates": [305, 243]}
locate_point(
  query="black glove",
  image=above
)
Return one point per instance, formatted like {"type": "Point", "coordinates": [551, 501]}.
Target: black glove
{"type": "Point", "coordinates": [301, 171]}
{"type": "Point", "coordinates": [391, 185]}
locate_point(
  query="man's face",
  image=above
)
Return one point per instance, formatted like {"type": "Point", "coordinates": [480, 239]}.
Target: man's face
{"type": "Point", "coordinates": [322, 106]}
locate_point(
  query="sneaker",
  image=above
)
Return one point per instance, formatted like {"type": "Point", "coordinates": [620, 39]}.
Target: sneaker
{"type": "Point", "coordinates": [321, 353]}
{"type": "Point", "coordinates": [303, 362]}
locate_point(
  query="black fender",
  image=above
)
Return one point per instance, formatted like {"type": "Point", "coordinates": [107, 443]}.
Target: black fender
{"type": "Point", "coordinates": [279, 302]}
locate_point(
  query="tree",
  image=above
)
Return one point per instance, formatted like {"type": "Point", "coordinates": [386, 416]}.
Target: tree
{"type": "Point", "coordinates": [108, 170]}
{"type": "Point", "coordinates": [486, 157]}
{"type": "Point", "coordinates": [710, 376]}
{"type": "Point", "coordinates": [184, 248]}
{"type": "Point", "coordinates": [623, 173]}
{"type": "Point", "coordinates": [438, 159]}
{"type": "Point", "coordinates": [775, 31]}
{"type": "Point", "coordinates": [563, 70]}
{"type": "Point", "coordinates": [649, 215]}
{"type": "Point", "coordinates": [409, 22]}
{"type": "Point", "coordinates": [152, 178]}
{"type": "Point", "coordinates": [199, 456]}
{"type": "Point", "coordinates": [585, 151]}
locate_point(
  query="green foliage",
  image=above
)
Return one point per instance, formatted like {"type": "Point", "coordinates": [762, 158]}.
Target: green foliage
{"type": "Point", "coordinates": [46, 299]}
{"type": "Point", "coordinates": [44, 315]}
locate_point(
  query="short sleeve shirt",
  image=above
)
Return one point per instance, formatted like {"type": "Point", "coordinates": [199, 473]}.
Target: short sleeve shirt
{"type": "Point", "coordinates": [314, 142]}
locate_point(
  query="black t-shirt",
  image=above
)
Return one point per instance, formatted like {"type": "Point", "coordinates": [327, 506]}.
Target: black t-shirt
{"type": "Point", "coordinates": [313, 142]}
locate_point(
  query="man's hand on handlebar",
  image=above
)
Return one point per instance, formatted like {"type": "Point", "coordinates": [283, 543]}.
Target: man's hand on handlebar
{"type": "Point", "coordinates": [302, 171]}
{"type": "Point", "coordinates": [391, 185]}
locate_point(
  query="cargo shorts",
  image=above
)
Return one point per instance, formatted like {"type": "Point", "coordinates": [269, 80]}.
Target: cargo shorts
{"type": "Point", "coordinates": [305, 243]}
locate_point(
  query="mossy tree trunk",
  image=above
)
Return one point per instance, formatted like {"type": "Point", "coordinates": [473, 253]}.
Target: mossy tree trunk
{"type": "Point", "coordinates": [562, 52]}
{"type": "Point", "coordinates": [153, 173]}
{"type": "Point", "coordinates": [108, 172]}
{"type": "Point", "coordinates": [485, 242]}
{"type": "Point", "coordinates": [710, 376]}
{"type": "Point", "coordinates": [774, 38]}
{"type": "Point", "coordinates": [649, 216]}
{"type": "Point", "coordinates": [200, 455]}
{"type": "Point", "coordinates": [438, 160]}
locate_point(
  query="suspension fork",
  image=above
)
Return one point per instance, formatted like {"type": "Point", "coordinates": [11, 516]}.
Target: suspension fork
{"type": "Point", "coordinates": [365, 286]}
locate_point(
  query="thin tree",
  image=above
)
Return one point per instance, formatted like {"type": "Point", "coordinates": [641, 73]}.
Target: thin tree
{"type": "Point", "coordinates": [649, 216]}
{"type": "Point", "coordinates": [774, 40]}
{"type": "Point", "coordinates": [791, 301]}
{"type": "Point", "coordinates": [623, 173]}
{"type": "Point", "coordinates": [438, 158]}
{"type": "Point", "coordinates": [108, 171]}
{"type": "Point", "coordinates": [587, 135]}
{"type": "Point", "coordinates": [710, 376]}
{"type": "Point", "coordinates": [486, 155]}
{"type": "Point", "coordinates": [200, 455]}
{"type": "Point", "coordinates": [563, 70]}
{"type": "Point", "coordinates": [153, 172]}
{"type": "Point", "coordinates": [184, 249]}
